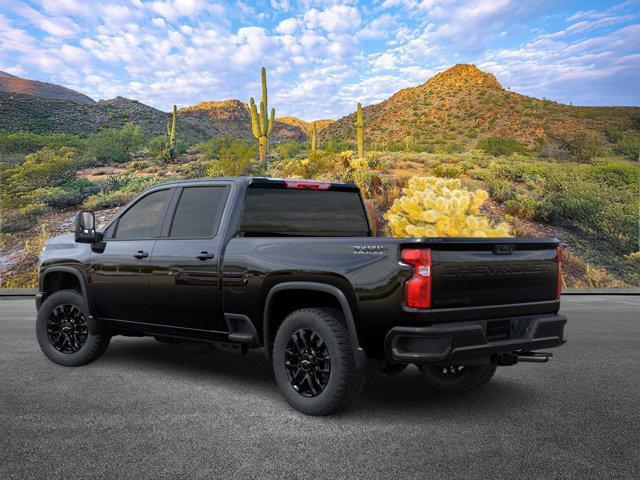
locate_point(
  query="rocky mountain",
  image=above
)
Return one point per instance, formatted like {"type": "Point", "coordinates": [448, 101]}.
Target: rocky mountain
{"type": "Point", "coordinates": [19, 111]}
{"type": "Point", "coordinates": [232, 118]}
{"type": "Point", "coordinates": [16, 85]}
{"type": "Point", "coordinates": [463, 103]}
{"type": "Point", "coordinates": [42, 113]}
{"type": "Point", "coordinates": [305, 126]}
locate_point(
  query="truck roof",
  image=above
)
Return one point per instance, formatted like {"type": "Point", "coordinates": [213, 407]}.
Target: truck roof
{"type": "Point", "coordinates": [270, 182]}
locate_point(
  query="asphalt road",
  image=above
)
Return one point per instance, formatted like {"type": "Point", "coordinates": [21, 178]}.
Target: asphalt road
{"type": "Point", "coordinates": [150, 410]}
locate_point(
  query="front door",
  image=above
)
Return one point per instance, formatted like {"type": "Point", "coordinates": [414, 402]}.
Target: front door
{"type": "Point", "coordinates": [185, 264]}
{"type": "Point", "coordinates": [120, 272]}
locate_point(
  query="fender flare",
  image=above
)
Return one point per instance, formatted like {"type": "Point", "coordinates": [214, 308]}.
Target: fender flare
{"type": "Point", "coordinates": [318, 287]}
{"type": "Point", "coordinates": [94, 326]}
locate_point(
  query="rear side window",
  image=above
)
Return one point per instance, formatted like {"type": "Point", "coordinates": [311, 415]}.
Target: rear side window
{"type": "Point", "coordinates": [279, 211]}
{"type": "Point", "coordinates": [141, 220]}
{"type": "Point", "coordinates": [198, 212]}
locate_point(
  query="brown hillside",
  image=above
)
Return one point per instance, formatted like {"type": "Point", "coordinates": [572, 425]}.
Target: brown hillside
{"type": "Point", "coordinates": [305, 126]}
{"type": "Point", "coordinates": [13, 84]}
{"type": "Point", "coordinates": [232, 118]}
{"type": "Point", "coordinates": [48, 115]}
{"type": "Point", "coordinates": [464, 103]}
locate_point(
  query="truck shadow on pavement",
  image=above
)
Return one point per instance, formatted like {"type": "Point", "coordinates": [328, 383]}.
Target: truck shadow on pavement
{"type": "Point", "coordinates": [253, 372]}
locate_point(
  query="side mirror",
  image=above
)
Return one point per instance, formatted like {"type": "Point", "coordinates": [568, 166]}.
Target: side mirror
{"type": "Point", "coordinates": [86, 227]}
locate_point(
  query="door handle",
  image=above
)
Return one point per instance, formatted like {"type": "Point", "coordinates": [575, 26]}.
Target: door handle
{"type": "Point", "coordinates": [204, 256]}
{"type": "Point", "coordinates": [140, 254]}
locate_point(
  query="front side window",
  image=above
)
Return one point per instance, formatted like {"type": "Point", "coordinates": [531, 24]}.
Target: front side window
{"type": "Point", "coordinates": [198, 212]}
{"type": "Point", "coordinates": [141, 220]}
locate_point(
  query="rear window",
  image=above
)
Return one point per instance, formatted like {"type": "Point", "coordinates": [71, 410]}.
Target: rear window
{"type": "Point", "coordinates": [292, 212]}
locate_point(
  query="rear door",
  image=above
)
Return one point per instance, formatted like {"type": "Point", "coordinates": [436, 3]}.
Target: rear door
{"type": "Point", "coordinates": [185, 264]}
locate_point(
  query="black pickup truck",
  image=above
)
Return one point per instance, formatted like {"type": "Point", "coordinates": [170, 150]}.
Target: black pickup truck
{"type": "Point", "coordinates": [291, 266]}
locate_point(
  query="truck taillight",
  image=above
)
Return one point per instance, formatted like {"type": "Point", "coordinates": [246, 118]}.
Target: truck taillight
{"type": "Point", "coordinates": [559, 262]}
{"type": "Point", "coordinates": [307, 185]}
{"type": "Point", "coordinates": [417, 290]}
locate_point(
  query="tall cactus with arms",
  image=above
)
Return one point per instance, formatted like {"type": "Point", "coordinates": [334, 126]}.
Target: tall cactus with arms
{"type": "Point", "coordinates": [260, 124]}
{"type": "Point", "coordinates": [171, 136]}
{"type": "Point", "coordinates": [360, 132]}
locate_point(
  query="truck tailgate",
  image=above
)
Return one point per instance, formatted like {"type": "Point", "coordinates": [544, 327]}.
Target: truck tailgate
{"type": "Point", "coordinates": [484, 272]}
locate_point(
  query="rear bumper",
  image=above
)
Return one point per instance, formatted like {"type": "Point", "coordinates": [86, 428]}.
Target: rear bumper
{"type": "Point", "coordinates": [458, 341]}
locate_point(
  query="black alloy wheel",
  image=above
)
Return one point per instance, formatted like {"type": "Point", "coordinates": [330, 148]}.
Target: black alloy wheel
{"type": "Point", "coordinates": [67, 328]}
{"type": "Point", "coordinates": [307, 362]}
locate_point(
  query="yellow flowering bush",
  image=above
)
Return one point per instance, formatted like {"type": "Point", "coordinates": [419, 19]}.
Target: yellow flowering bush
{"type": "Point", "coordinates": [441, 207]}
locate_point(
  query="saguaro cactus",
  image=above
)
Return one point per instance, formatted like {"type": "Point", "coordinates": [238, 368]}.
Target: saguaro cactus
{"type": "Point", "coordinates": [171, 135]}
{"type": "Point", "coordinates": [360, 132]}
{"type": "Point", "coordinates": [314, 137]}
{"type": "Point", "coordinates": [260, 124]}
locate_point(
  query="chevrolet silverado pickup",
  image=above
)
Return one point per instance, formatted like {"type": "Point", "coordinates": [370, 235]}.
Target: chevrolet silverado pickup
{"type": "Point", "coordinates": [291, 266]}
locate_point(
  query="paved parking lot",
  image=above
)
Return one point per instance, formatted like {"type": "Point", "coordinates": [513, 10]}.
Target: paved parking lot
{"type": "Point", "coordinates": [150, 410]}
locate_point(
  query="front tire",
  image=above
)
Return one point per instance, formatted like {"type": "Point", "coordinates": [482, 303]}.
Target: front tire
{"type": "Point", "coordinates": [63, 333]}
{"type": "Point", "coordinates": [314, 362]}
{"type": "Point", "coordinates": [457, 378]}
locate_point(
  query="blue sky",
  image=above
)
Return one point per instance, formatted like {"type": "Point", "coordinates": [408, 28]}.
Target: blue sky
{"type": "Point", "coordinates": [321, 56]}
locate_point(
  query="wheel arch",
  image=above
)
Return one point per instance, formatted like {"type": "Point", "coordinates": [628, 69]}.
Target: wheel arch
{"type": "Point", "coordinates": [64, 277]}
{"type": "Point", "coordinates": [338, 297]}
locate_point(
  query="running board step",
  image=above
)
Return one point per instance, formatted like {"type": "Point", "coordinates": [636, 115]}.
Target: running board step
{"type": "Point", "coordinates": [232, 347]}
{"type": "Point", "coordinates": [241, 338]}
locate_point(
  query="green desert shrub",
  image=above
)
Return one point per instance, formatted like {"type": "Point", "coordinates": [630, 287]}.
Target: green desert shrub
{"type": "Point", "coordinates": [523, 206]}
{"type": "Point", "coordinates": [67, 195]}
{"type": "Point", "coordinates": [629, 146]}
{"type": "Point", "coordinates": [28, 142]}
{"type": "Point", "coordinates": [40, 125]}
{"type": "Point", "coordinates": [230, 157]}
{"type": "Point", "coordinates": [289, 150]}
{"type": "Point", "coordinates": [598, 201]}
{"type": "Point", "coordinates": [447, 170]}
{"type": "Point", "coordinates": [498, 146]}
{"type": "Point", "coordinates": [157, 145]}
{"type": "Point", "coordinates": [195, 169]}
{"type": "Point", "coordinates": [45, 180]}
{"type": "Point", "coordinates": [120, 188]}
{"type": "Point", "coordinates": [45, 168]}
{"type": "Point", "coordinates": [219, 146]}
{"type": "Point", "coordinates": [108, 199]}
{"type": "Point", "coordinates": [113, 145]}
{"type": "Point", "coordinates": [582, 146]}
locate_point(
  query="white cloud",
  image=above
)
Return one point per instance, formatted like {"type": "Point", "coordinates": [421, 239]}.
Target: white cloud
{"type": "Point", "coordinates": [339, 51]}
{"type": "Point", "coordinates": [378, 27]}
{"type": "Point", "coordinates": [164, 9]}
{"type": "Point", "coordinates": [72, 54]}
{"type": "Point", "coordinates": [15, 70]}
{"type": "Point", "coordinates": [287, 26]}
{"type": "Point", "coordinates": [335, 19]}
{"type": "Point", "coordinates": [280, 5]}
{"type": "Point", "coordinates": [189, 7]}
{"type": "Point", "coordinates": [386, 61]}
{"type": "Point", "coordinates": [14, 39]}
{"type": "Point", "coordinates": [56, 26]}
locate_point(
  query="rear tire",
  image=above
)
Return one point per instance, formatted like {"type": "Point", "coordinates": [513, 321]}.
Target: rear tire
{"type": "Point", "coordinates": [63, 333]}
{"type": "Point", "coordinates": [457, 378]}
{"type": "Point", "coordinates": [314, 362]}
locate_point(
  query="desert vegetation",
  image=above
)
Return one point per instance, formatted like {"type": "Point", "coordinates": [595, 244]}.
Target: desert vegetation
{"type": "Point", "coordinates": [450, 173]}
